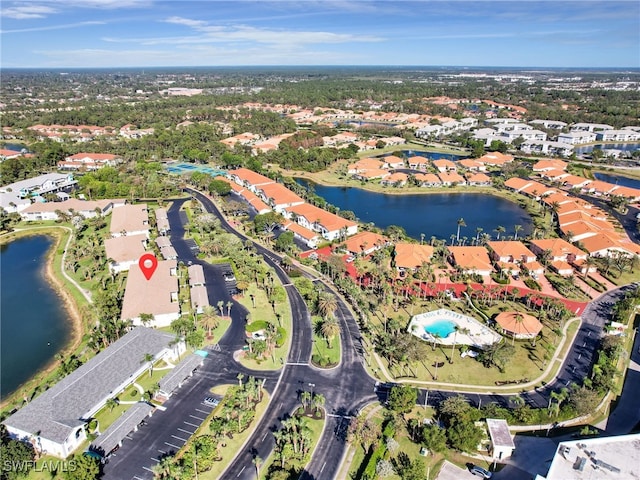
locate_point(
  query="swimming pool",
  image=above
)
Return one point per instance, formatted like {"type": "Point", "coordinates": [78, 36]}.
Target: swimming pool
{"type": "Point", "coordinates": [441, 328]}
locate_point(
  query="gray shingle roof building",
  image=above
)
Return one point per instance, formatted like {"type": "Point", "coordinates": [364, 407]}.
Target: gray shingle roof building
{"type": "Point", "coordinates": [174, 379]}
{"type": "Point", "coordinates": [55, 418]}
{"type": "Point", "coordinates": [128, 421]}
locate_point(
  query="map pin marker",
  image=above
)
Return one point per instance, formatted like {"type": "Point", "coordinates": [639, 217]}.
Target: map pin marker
{"type": "Point", "coordinates": [148, 264]}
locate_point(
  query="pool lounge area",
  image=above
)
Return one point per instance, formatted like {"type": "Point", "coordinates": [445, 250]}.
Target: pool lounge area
{"type": "Point", "coordinates": [439, 326]}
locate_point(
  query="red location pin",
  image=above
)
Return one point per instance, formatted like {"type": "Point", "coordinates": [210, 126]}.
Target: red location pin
{"type": "Point", "coordinates": [148, 264]}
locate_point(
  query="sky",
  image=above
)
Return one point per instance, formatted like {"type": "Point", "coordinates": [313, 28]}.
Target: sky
{"type": "Point", "coordinates": [147, 33]}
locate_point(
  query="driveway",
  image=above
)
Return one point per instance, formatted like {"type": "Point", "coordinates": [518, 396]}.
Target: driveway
{"type": "Point", "coordinates": [449, 471]}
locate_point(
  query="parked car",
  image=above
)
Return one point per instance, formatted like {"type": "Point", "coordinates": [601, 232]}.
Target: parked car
{"type": "Point", "coordinates": [212, 402]}
{"type": "Point", "coordinates": [480, 472]}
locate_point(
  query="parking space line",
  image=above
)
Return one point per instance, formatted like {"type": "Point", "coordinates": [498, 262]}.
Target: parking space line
{"type": "Point", "coordinates": [193, 416]}
{"type": "Point", "coordinates": [191, 424]}
{"type": "Point", "coordinates": [202, 411]}
{"type": "Point", "coordinates": [186, 431]}
{"type": "Point", "coordinates": [179, 438]}
{"type": "Point", "coordinates": [162, 452]}
{"type": "Point", "coordinates": [155, 459]}
{"type": "Point", "coordinates": [137, 478]}
{"type": "Point", "coordinates": [148, 469]}
{"type": "Point", "coordinates": [172, 445]}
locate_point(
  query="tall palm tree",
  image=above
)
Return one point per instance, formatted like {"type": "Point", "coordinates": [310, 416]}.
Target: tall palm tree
{"type": "Point", "coordinates": [318, 401]}
{"type": "Point", "coordinates": [209, 319]}
{"type": "Point", "coordinates": [220, 306]}
{"type": "Point", "coordinates": [330, 328]}
{"type": "Point", "coordinates": [516, 229]}
{"type": "Point", "coordinates": [500, 229]}
{"type": "Point", "coordinates": [456, 329]}
{"type": "Point", "coordinates": [147, 357]}
{"type": "Point", "coordinates": [257, 462]}
{"type": "Point", "coordinates": [460, 223]}
{"type": "Point", "coordinates": [327, 304]}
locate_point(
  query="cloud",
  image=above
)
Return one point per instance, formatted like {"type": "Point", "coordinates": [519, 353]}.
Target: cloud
{"type": "Point", "coordinates": [24, 12]}
{"type": "Point", "coordinates": [245, 33]}
{"type": "Point", "coordinates": [53, 27]}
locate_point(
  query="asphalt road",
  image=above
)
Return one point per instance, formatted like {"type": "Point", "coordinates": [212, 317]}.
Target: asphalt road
{"type": "Point", "coordinates": [347, 387]}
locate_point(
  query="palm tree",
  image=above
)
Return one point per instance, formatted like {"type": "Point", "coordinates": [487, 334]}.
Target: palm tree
{"type": "Point", "coordinates": [456, 329]}
{"type": "Point", "coordinates": [220, 305]}
{"type": "Point", "coordinates": [240, 377]}
{"type": "Point", "coordinates": [305, 399]}
{"type": "Point", "coordinates": [147, 357]}
{"type": "Point", "coordinates": [460, 223]}
{"type": "Point", "coordinates": [318, 401]}
{"type": "Point", "coordinates": [209, 319]}
{"type": "Point", "coordinates": [330, 328]}
{"type": "Point", "coordinates": [500, 229]}
{"type": "Point", "coordinates": [111, 404]}
{"type": "Point", "coordinates": [229, 305]}
{"type": "Point", "coordinates": [327, 304]}
{"type": "Point", "coordinates": [516, 229]}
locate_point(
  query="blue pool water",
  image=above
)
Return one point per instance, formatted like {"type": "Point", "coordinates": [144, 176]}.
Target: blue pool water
{"type": "Point", "coordinates": [442, 328]}
{"type": "Point", "coordinates": [180, 168]}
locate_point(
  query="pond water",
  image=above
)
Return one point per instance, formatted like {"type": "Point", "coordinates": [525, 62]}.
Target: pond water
{"type": "Point", "coordinates": [35, 324]}
{"type": "Point", "coordinates": [433, 214]}
{"type": "Point", "coordinates": [618, 179]}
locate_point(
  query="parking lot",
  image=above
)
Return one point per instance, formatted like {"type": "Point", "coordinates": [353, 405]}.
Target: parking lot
{"type": "Point", "coordinates": [164, 433]}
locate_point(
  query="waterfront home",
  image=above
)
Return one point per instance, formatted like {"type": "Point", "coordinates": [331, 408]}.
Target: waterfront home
{"type": "Point", "coordinates": [329, 225]}
{"type": "Point", "coordinates": [55, 421]}
{"type": "Point", "coordinates": [509, 255]}
{"type": "Point", "coordinates": [618, 136]}
{"type": "Point", "coordinates": [364, 165]}
{"type": "Point", "coordinates": [478, 179]}
{"type": "Point", "coordinates": [444, 165]}
{"type": "Point", "coordinates": [364, 243]}
{"type": "Point", "coordinates": [471, 260]}
{"type": "Point", "coordinates": [577, 137]}
{"type": "Point", "coordinates": [428, 180]}
{"type": "Point", "coordinates": [89, 161]}
{"type": "Point", "coordinates": [124, 251]}
{"type": "Point", "coordinates": [451, 178]}
{"type": "Point", "coordinates": [248, 178]}
{"type": "Point", "coordinates": [598, 188]}
{"type": "Point", "coordinates": [546, 147]}
{"type": "Point", "coordinates": [310, 238]}
{"type": "Point", "coordinates": [397, 179]}
{"type": "Point", "coordinates": [473, 165]}
{"type": "Point", "coordinates": [631, 194]}
{"type": "Point", "coordinates": [418, 163]}
{"type": "Point", "coordinates": [574, 181]}
{"type": "Point", "coordinates": [554, 175]}
{"type": "Point", "coordinates": [495, 159]}
{"type": "Point", "coordinates": [409, 256]}
{"type": "Point", "coordinates": [157, 296]}
{"type": "Point", "coordinates": [547, 164]}
{"type": "Point", "coordinates": [392, 162]}
{"type": "Point", "coordinates": [72, 206]}
{"type": "Point", "coordinates": [609, 244]}
{"type": "Point", "coordinates": [371, 174]}
{"type": "Point", "coordinates": [559, 250]}
{"type": "Point", "coordinates": [278, 197]}
{"type": "Point", "coordinates": [589, 127]}
{"type": "Point", "coordinates": [130, 220]}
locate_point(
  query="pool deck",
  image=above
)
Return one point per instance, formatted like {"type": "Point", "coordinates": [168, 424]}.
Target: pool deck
{"type": "Point", "coordinates": [479, 334]}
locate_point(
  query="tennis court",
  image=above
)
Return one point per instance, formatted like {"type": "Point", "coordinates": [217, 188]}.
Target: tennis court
{"type": "Point", "coordinates": [182, 168]}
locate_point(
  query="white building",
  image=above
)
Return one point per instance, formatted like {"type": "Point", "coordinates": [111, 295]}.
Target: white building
{"type": "Point", "coordinates": [577, 137]}
{"type": "Point", "coordinates": [55, 422]}
{"type": "Point", "coordinates": [595, 458]}
{"type": "Point", "coordinates": [15, 196]}
{"type": "Point", "coordinates": [502, 445]}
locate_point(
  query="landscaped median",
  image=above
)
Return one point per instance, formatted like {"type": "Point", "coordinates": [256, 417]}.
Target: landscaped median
{"type": "Point", "coordinates": [215, 443]}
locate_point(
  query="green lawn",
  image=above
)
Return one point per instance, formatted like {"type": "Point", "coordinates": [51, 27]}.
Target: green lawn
{"type": "Point", "coordinates": [324, 354]}
{"type": "Point", "coordinates": [263, 311]}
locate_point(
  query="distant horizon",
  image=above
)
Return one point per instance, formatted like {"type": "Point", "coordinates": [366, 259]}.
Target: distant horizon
{"type": "Point", "coordinates": [481, 68]}
{"type": "Point", "coordinates": [53, 34]}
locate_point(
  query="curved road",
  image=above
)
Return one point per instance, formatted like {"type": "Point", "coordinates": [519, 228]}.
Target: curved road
{"type": "Point", "coordinates": [347, 387]}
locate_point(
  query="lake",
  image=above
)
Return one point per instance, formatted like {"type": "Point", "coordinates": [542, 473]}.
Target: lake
{"type": "Point", "coordinates": [434, 214]}
{"type": "Point", "coordinates": [618, 179]}
{"type": "Point", "coordinates": [625, 147]}
{"type": "Point", "coordinates": [35, 324]}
